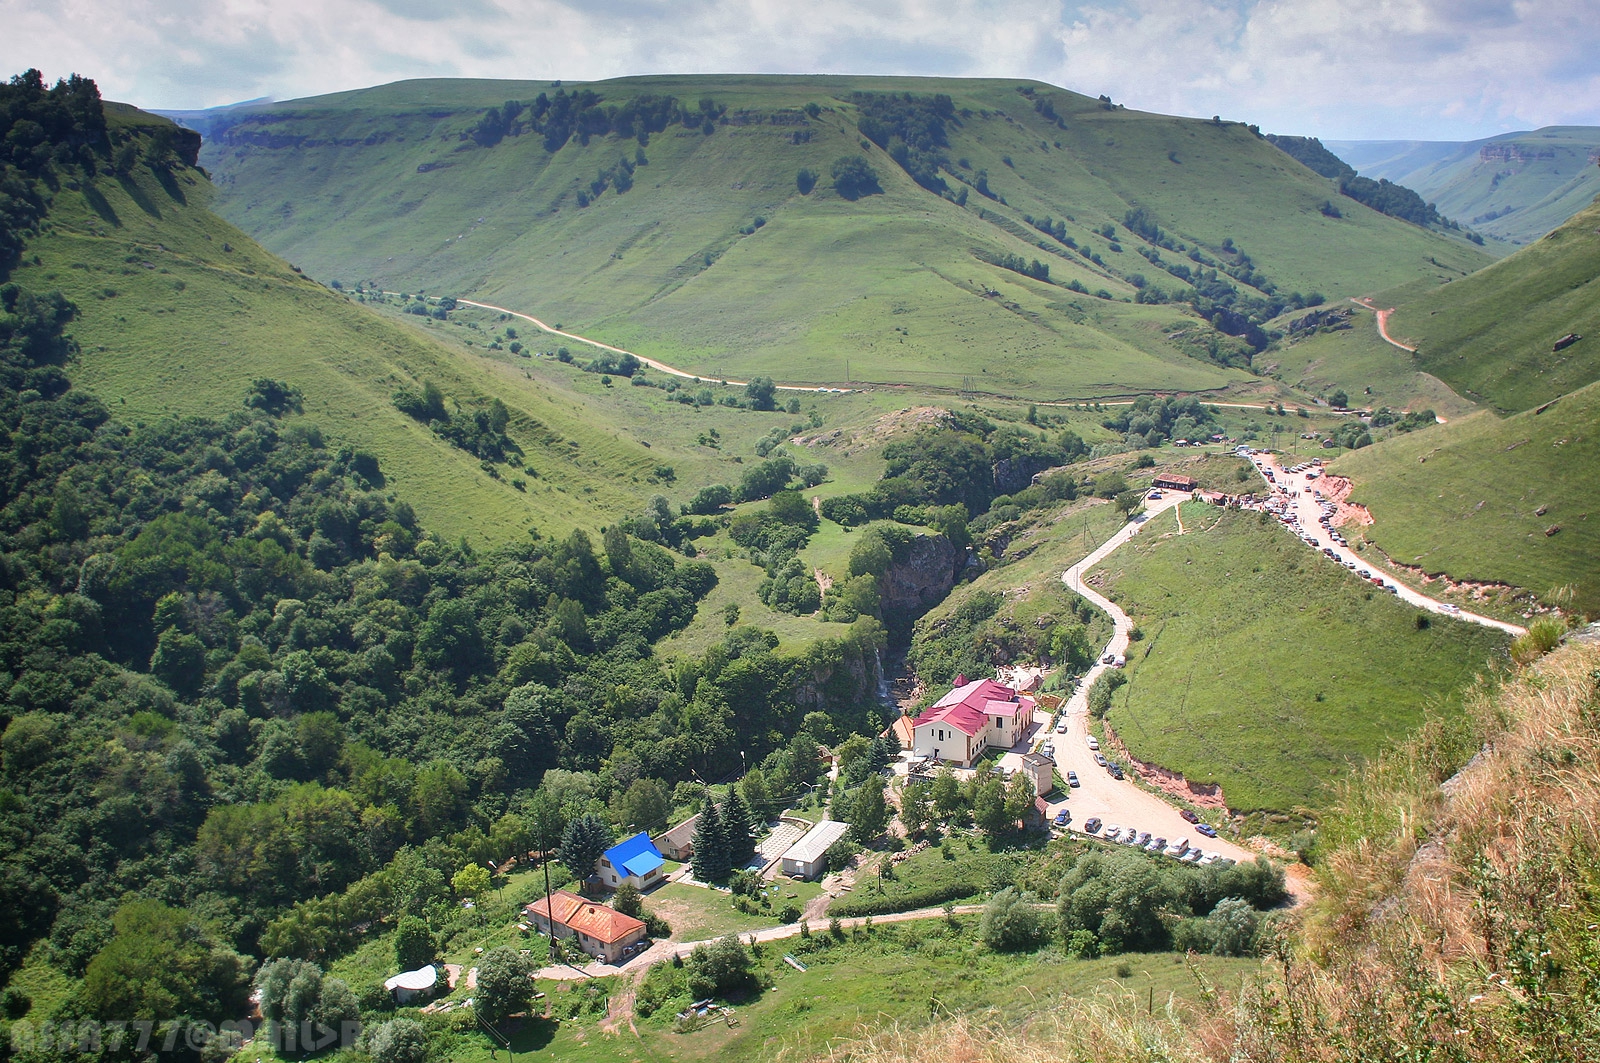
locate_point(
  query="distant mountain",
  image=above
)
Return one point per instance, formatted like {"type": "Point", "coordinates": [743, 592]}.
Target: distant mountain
{"type": "Point", "coordinates": [1516, 186]}
{"type": "Point", "coordinates": [998, 236]}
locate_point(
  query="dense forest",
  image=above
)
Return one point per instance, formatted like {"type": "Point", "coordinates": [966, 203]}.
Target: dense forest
{"type": "Point", "coordinates": [252, 708]}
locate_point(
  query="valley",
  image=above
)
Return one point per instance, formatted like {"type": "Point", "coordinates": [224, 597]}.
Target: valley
{"type": "Point", "coordinates": [699, 567]}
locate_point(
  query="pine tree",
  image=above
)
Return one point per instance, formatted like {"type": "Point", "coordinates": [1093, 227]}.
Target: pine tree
{"type": "Point", "coordinates": [710, 857]}
{"type": "Point", "coordinates": [582, 844]}
{"type": "Point", "coordinates": [869, 813]}
{"type": "Point", "coordinates": [738, 837]}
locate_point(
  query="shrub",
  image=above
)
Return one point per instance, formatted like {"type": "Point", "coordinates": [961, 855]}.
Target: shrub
{"type": "Point", "coordinates": [1013, 922]}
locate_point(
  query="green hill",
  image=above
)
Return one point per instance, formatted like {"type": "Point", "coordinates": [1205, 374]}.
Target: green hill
{"type": "Point", "coordinates": [1516, 186]}
{"type": "Point", "coordinates": [1491, 336]}
{"type": "Point", "coordinates": [663, 214]}
{"type": "Point", "coordinates": [1511, 500]}
{"type": "Point", "coordinates": [180, 312]}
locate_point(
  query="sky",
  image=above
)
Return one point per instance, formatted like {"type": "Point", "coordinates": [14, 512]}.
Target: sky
{"type": "Point", "coordinates": [1339, 69]}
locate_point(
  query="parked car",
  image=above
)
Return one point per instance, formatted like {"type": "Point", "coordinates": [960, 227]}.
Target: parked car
{"type": "Point", "coordinates": [1208, 859]}
{"type": "Point", "coordinates": [1116, 772]}
{"type": "Point", "coordinates": [1193, 856]}
{"type": "Point", "coordinates": [1207, 829]}
{"type": "Point", "coordinates": [1112, 831]}
{"type": "Point", "coordinates": [1190, 816]}
{"type": "Point", "coordinates": [1048, 749]}
{"type": "Point", "coordinates": [1091, 825]}
{"type": "Point", "coordinates": [1109, 658]}
{"type": "Point", "coordinates": [1062, 817]}
{"type": "Point", "coordinates": [1100, 759]}
{"type": "Point", "coordinates": [1155, 845]}
{"type": "Point", "coordinates": [1072, 779]}
{"type": "Point", "coordinates": [1177, 848]}
{"type": "Point", "coordinates": [1061, 726]}
{"type": "Point", "coordinates": [1094, 743]}
{"type": "Point", "coordinates": [1141, 840]}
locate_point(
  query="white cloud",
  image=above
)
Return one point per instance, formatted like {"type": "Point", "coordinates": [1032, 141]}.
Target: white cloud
{"type": "Point", "coordinates": [1338, 68]}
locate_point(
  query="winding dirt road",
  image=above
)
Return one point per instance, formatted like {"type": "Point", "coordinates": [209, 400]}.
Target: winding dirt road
{"type": "Point", "coordinates": [1383, 323]}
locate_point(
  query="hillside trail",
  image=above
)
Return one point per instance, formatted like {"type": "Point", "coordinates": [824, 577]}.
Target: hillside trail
{"type": "Point", "coordinates": [1383, 323]}
{"type": "Point", "coordinates": [685, 375]}
{"type": "Point", "coordinates": [651, 362]}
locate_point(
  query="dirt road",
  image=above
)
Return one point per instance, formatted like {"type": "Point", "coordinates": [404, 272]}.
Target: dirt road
{"type": "Point", "coordinates": [1116, 803]}
{"type": "Point", "coordinates": [1306, 511]}
{"type": "Point", "coordinates": [1383, 324]}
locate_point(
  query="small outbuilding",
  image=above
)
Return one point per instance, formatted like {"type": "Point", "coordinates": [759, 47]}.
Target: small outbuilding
{"type": "Point", "coordinates": [1174, 482]}
{"type": "Point", "coordinates": [678, 843]}
{"type": "Point", "coordinates": [410, 986]}
{"type": "Point", "coordinates": [807, 858]}
{"type": "Point", "coordinates": [1040, 771]}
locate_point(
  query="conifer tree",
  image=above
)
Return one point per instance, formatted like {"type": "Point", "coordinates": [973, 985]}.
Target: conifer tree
{"type": "Point", "coordinates": [738, 838]}
{"type": "Point", "coordinates": [710, 857]}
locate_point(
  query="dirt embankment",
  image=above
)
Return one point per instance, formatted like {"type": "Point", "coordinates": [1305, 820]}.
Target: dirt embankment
{"type": "Point", "coordinates": [1336, 489]}
{"type": "Point", "coordinates": [1201, 794]}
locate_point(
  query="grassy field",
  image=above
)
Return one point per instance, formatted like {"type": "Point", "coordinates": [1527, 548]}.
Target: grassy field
{"type": "Point", "coordinates": [1267, 668]}
{"type": "Point", "coordinates": [895, 973]}
{"type": "Point", "coordinates": [1490, 336]}
{"type": "Point", "coordinates": [697, 913]}
{"type": "Point", "coordinates": [1475, 499]}
{"type": "Point", "coordinates": [379, 186]}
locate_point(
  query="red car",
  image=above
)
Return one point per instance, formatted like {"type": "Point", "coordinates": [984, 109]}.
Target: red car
{"type": "Point", "coordinates": [1189, 816]}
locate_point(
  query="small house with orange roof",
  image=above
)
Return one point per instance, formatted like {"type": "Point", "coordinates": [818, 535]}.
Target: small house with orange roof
{"type": "Point", "coordinates": [602, 932]}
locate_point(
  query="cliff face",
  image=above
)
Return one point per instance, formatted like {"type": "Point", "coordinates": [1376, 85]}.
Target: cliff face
{"type": "Point", "coordinates": [1013, 474]}
{"type": "Point", "coordinates": [917, 582]}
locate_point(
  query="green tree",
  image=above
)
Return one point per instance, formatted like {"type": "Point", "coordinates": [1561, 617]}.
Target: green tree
{"type": "Point", "coordinates": [1013, 922]}
{"type": "Point", "coordinates": [989, 809]}
{"type": "Point", "coordinates": [645, 806]}
{"type": "Point", "coordinates": [1339, 400]}
{"type": "Point", "coordinates": [853, 177]}
{"type": "Point", "coordinates": [916, 806]}
{"type": "Point", "coordinates": [294, 992]}
{"type": "Point", "coordinates": [759, 392]}
{"type": "Point", "coordinates": [805, 181]}
{"type": "Point", "coordinates": [161, 964]}
{"type": "Point", "coordinates": [738, 832]}
{"type": "Point", "coordinates": [720, 968]}
{"type": "Point", "coordinates": [398, 1041]}
{"type": "Point", "coordinates": [413, 944]}
{"type": "Point", "coordinates": [1020, 796]}
{"type": "Point", "coordinates": [757, 794]}
{"type": "Point", "coordinates": [582, 843]}
{"type": "Point", "coordinates": [710, 857]}
{"type": "Point", "coordinates": [179, 662]}
{"type": "Point", "coordinates": [471, 881]}
{"type": "Point", "coordinates": [869, 813]}
{"type": "Point", "coordinates": [505, 985]}
{"type": "Point", "coordinates": [946, 793]}
{"type": "Point", "coordinates": [628, 900]}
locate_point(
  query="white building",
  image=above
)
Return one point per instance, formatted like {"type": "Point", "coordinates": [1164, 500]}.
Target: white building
{"type": "Point", "coordinates": [807, 858]}
{"type": "Point", "coordinates": [972, 718]}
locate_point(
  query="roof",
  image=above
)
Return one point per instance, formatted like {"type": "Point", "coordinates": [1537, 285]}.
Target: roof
{"type": "Point", "coordinates": [1037, 759]}
{"type": "Point", "coordinates": [680, 835]}
{"type": "Point", "coordinates": [605, 925]}
{"type": "Point", "coordinates": [421, 978]}
{"type": "Point", "coordinates": [1173, 480]}
{"type": "Point", "coordinates": [637, 855]}
{"type": "Point", "coordinates": [968, 706]}
{"type": "Point", "coordinates": [816, 841]}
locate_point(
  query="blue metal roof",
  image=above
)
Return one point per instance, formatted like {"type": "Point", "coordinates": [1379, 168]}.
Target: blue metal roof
{"type": "Point", "coordinates": [637, 855]}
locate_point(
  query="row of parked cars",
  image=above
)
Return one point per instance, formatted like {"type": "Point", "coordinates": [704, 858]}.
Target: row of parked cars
{"type": "Point", "coordinates": [1179, 850]}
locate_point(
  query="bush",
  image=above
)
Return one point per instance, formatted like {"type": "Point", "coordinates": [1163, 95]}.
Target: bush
{"type": "Point", "coordinates": [853, 177]}
{"type": "Point", "coordinates": [400, 1041]}
{"type": "Point", "coordinates": [1013, 922]}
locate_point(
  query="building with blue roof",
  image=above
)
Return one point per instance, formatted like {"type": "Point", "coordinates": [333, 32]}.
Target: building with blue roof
{"type": "Point", "coordinates": [635, 860]}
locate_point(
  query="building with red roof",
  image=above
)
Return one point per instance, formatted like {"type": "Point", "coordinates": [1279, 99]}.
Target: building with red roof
{"type": "Point", "coordinates": [602, 932]}
{"type": "Point", "coordinates": [972, 718]}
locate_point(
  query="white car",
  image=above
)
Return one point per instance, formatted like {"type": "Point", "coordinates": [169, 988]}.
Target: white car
{"type": "Point", "coordinates": [1094, 743]}
{"type": "Point", "coordinates": [1176, 849]}
{"type": "Point", "coordinates": [1061, 726]}
{"type": "Point", "coordinates": [1111, 832]}
{"type": "Point", "coordinates": [1208, 859]}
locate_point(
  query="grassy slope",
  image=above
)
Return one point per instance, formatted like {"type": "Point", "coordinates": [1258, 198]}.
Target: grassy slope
{"type": "Point", "coordinates": [1490, 336]}
{"type": "Point", "coordinates": [1463, 498]}
{"type": "Point", "coordinates": [180, 311]}
{"type": "Point", "coordinates": [1551, 177]}
{"type": "Point", "coordinates": [825, 281]}
{"type": "Point", "coordinates": [1267, 668]}
{"type": "Point", "coordinates": [1356, 359]}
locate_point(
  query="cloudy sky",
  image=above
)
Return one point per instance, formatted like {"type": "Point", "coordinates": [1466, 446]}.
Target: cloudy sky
{"type": "Point", "coordinates": [1340, 69]}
